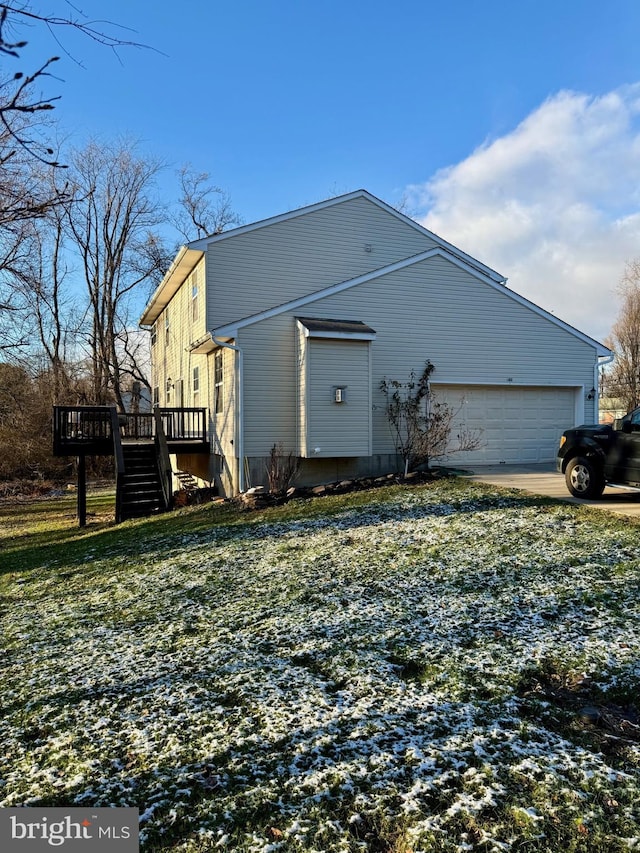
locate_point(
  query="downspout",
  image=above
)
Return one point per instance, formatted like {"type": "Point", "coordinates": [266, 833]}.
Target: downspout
{"type": "Point", "coordinates": [239, 409]}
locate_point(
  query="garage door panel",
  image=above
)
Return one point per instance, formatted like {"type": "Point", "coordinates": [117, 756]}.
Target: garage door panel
{"type": "Point", "coordinates": [529, 455]}
{"type": "Point", "coordinates": [518, 424]}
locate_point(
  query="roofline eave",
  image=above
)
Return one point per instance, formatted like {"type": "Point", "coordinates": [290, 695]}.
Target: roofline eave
{"type": "Point", "coordinates": [184, 261]}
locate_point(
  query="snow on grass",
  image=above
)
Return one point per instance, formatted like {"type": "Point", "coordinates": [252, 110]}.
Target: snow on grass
{"type": "Point", "coordinates": [366, 680]}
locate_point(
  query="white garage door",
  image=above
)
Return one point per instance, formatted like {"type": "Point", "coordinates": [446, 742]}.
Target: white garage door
{"type": "Point", "coordinates": [518, 424]}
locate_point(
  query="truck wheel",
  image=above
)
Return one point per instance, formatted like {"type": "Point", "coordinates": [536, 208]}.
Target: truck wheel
{"type": "Point", "coordinates": [584, 478]}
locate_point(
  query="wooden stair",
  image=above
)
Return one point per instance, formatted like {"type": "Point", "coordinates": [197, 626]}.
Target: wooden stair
{"type": "Point", "coordinates": [188, 483]}
{"type": "Point", "coordinates": [140, 489]}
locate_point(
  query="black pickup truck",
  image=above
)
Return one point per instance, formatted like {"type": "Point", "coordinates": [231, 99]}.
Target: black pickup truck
{"type": "Point", "coordinates": [594, 456]}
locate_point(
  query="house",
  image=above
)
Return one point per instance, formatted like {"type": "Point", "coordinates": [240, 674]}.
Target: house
{"type": "Point", "coordinates": [284, 329]}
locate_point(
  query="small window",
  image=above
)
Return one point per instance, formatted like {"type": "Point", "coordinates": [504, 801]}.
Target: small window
{"type": "Point", "coordinates": [217, 382]}
{"type": "Point", "coordinates": [156, 396]}
{"type": "Point", "coordinates": [166, 328]}
{"type": "Point", "coordinates": [196, 381]}
{"type": "Point", "coordinates": [168, 387]}
{"type": "Point", "coordinates": [194, 303]}
{"type": "Point", "coordinates": [154, 335]}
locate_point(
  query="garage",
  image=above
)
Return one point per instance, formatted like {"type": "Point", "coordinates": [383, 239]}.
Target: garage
{"type": "Point", "coordinates": [519, 424]}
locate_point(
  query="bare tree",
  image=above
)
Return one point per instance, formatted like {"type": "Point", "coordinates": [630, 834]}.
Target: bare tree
{"type": "Point", "coordinates": [21, 106]}
{"type": "Point", "coordinates": [421, 425]}
{"type": "Point", "coordinates": [623, 379]}
{"type": "Point", "coordinates": [15, 232]}
{"type": "Point", "coordinates": [110, 224]}
{"type": "Point", "coordinates": [25, 147]}
{"type": "Point", "coordinates": [41, 285]}
{"type": "Point", "coordinates": [205, 209]}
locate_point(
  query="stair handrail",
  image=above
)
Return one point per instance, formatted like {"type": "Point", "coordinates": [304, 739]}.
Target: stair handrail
{"type": "Point", "coordinates": [164, 461]}
{"type": "Point", "coordinates": [118, 455]}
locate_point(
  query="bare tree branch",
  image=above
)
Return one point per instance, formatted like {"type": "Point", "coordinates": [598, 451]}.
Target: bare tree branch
{"type": "Point", "coordinates": [17, 95]}
{"type": "Point", "coordinates": [111, 226]}
{"type": "Point", "coordinates": [96, 30]}
{"type": "Point", "coordinates": [623, 379]}
{"type": "Point", "coordinates": [205, 209]}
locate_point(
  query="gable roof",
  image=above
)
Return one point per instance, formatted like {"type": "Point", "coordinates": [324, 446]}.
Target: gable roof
{"type": "Point", "coordinates": [189, 255]}
{"type": "Point", "coordinates": [230, 330]}
{"type": "Point", "coordinates": [204, 242]}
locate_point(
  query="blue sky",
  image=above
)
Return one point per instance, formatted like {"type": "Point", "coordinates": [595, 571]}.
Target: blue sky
{"type": "Point", "coordinates": [510, 128]}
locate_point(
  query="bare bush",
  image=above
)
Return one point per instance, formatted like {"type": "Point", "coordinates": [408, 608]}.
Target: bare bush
{"type": "Point", "coordinates": [282, 469]}
{"type": "Point", "coordinates": [421, 424]}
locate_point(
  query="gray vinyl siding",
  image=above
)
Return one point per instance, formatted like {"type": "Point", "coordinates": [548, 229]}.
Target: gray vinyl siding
{"type": "Point", "coordinates": [255, 271]}
{"type": "Point", "coordinates": [270, 385]}
{"type": "Point", "coordinates": [338, 429]}
{"type": "Point", "coordinates": [471, 331]}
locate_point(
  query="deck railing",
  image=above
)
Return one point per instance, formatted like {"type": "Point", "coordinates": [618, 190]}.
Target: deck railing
{"type": "Point", "coordinates": [184, 424]}
{"type": "Point", "coordinates": [89, 429]}
{"type": "Point", "coordinates": [75, 427]}
{"type": "Point", "coordinates": [136, 425]}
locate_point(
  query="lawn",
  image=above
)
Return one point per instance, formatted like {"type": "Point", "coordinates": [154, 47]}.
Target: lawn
{"type": "Point", "coordinates": [444, 667]}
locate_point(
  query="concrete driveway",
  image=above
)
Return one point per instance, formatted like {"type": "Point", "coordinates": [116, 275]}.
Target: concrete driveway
{"type": "Point", "coordinates": [545, 480]}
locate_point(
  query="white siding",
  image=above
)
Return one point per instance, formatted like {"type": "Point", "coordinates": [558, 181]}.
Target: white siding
{"type": "Point", "coordinates": [252, 272]}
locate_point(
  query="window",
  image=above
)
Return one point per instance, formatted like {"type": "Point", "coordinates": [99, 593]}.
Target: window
{"type": "Point", "coordinates": [166, 328]}
{"type": "Point", "coordinates": [217, 382]}
{"type": "Point", "coordinates": [156, 396]}
{"type": "Point", "coordinates": [154, 335]}
{"type": "Point", "coordinates": [195, 310]}
{"type": "Point", "coordinates": [168, 387]}
{"type": "Point", "coordinates": [196, 381]}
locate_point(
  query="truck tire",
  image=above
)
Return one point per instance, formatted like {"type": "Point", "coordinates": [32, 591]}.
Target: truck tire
{"type": "Point", "coordinates": [584, 478]}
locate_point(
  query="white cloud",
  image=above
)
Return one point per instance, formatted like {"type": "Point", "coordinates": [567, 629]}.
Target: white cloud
{"type": "Point", "coordinates": [554, 205]}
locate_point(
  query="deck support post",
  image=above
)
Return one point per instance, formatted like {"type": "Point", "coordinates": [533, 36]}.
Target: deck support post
{"type": "Point", "coordinates": [82, 491]}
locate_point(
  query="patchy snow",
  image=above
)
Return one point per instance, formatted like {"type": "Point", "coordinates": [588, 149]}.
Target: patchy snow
{"type": "Point", "coordinates": [318, 683]}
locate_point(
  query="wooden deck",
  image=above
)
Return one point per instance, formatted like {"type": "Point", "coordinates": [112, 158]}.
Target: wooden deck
{"type": "Point", "coordinates": [88, 430]}
{"type": "Point", "coordinates": [140, 443]}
